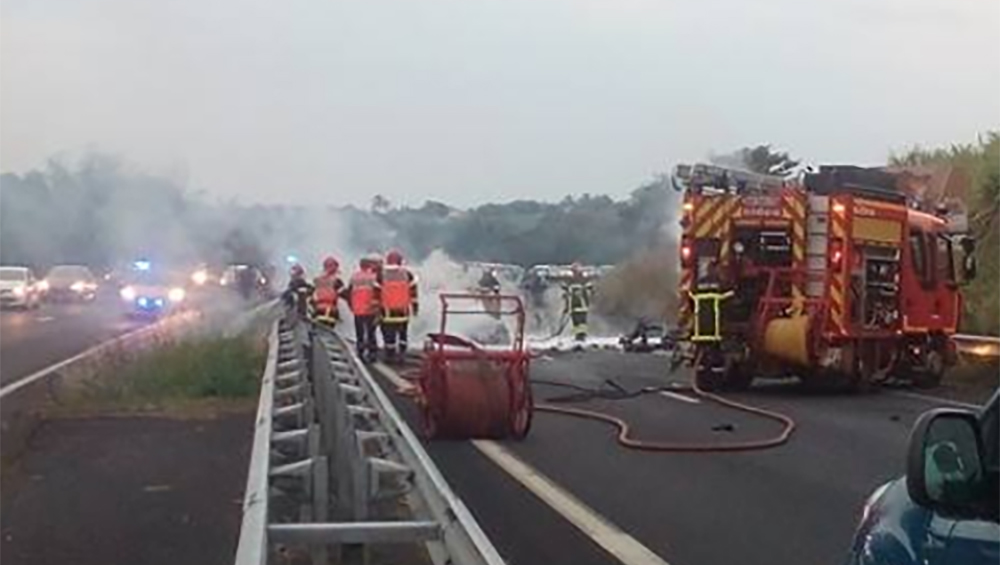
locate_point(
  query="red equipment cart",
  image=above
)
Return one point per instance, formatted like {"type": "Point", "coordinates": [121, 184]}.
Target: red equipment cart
{"type": "Point", "coordinates": [469, 390]}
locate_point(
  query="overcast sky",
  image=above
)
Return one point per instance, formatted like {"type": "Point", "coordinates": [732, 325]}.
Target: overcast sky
{"type": "Point", "coordinates": [467, 101]}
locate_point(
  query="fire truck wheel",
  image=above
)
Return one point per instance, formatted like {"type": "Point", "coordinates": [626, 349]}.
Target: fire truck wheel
{"type": "Point", "coordinates": [933, 371]}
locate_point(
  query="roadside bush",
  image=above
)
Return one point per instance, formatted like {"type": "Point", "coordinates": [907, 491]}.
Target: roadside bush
{"type": "Point", "coordinates": [207, 367]}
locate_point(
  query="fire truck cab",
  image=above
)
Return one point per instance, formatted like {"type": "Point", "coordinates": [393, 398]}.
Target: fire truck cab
{"type": "Point", "coordinates": [834, 277]}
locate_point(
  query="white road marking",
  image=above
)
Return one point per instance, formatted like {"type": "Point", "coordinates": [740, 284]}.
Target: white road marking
{"type": "Point", "coordinates": [20, 383]}
{"type": "Point", "coordinates": [391, 374]}
{"type": "Point", "coordinates": [44, 319]}
{"type": "Point", "coordinates": [680, 397]}
{"type": "Point", "coordinates": [610, 537]}
{"type": "Point", "coordinates": [936, 399]}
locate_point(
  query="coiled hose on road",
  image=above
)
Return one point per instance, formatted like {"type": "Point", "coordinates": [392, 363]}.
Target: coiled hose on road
{"type": "Point", "coordinates": [624, 431]}
{"type": "Point", "coordinates": [466, 418]}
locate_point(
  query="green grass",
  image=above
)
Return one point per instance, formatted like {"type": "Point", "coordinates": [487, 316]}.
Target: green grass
{"type": "Point", "coordinates": [196, 369]}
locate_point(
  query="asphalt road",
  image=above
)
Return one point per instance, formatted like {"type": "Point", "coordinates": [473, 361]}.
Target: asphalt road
{"type": "Point", "coordinates": [797, 503]}
{"type": "Point", "coordinates": [151, 490]}
{"type": "Point", "coordinates": [34, 339]}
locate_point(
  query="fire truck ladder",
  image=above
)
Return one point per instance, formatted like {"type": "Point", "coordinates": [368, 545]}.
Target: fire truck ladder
{"type": "Point", "coordinates": [702, 176]}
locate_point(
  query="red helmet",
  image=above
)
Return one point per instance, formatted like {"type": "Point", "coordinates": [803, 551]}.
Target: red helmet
{"type": "Point", "coordinates": [330, 265]}
{"type": "Point", "coordinates": [394, 257]}
{"type": "Point", "coordinates": [297, 271]}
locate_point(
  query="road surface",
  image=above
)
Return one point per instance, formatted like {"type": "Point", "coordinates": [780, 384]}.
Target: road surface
{"type": "Point", "coordinates": [35, 339]}
{"type": "Point", "coordinates": [798, 503]}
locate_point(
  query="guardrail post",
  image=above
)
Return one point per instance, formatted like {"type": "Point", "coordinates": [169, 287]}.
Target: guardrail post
{"type": "Point", "coordinates": [324, 426]}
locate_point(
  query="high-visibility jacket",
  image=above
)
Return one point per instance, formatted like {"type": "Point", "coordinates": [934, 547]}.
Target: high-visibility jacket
{"type": "Point", "coordinates": [363, 297]}
{"type": "Point", "coordinates": [399, 293]}
{"type": "Point", "coordinates": [577, 297]}
{"type": "Point", "coordinates": [327, 290]}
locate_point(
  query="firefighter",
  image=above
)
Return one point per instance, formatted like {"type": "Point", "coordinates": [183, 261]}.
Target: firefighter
{"type": "Point", "coordinates": [298, 291]}
{"type": "Point", "coordinates": [327, 290]}
{"type": "Point", "coordinates": [489, 282]}
{"type": "Point", "coordinates": [577, 293]}
{"type": "Point", "coordinates": [399, 302]}
{"type": "Point", "coordinates": [363, 296]}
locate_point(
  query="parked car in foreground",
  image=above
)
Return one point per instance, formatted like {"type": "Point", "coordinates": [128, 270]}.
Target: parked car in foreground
{"type": "Point", "coordinates": [945, 510]}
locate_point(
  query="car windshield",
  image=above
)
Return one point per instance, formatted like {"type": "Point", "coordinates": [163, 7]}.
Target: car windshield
{"type": "Point", "coordinates": [13, 274]}
{"type": "Point", "coordinates": [69, 272]}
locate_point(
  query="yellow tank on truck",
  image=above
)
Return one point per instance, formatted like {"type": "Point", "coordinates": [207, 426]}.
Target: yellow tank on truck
{"type": "Point", "coordinates": [787, 339]}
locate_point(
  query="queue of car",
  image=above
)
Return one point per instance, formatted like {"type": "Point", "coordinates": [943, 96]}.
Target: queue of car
{"type": "Point", "coordinates": [20, 288]}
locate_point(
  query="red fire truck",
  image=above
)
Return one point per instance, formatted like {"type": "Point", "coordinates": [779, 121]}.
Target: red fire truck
{"type": "Point", "coordinates": [834, 277]}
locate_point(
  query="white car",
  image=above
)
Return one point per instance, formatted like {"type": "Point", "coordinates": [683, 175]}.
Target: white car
{"type": "Point", "coordinates": [19, 288]}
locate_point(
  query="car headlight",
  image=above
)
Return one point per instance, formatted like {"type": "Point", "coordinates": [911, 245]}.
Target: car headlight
{"type": "Point", "coordinates": [176, 294]}
{"type": "Point", "coordinates": [19, 290]}
{"type": "Point", "coordinates": [78, 286]}
{"type": "Point", "coordinates": [199, 277]}
{"type": "Point", "coordinates": [127, 293]}
{"type": "Point", "coordinates": [43, 285]}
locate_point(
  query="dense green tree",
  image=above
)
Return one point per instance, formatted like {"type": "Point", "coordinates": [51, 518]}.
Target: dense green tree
{"type": "Point", "coordinates": [981, 162]}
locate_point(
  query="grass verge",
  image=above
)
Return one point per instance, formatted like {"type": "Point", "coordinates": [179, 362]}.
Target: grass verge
{"type": "Point", "coordinates": [206, 372]}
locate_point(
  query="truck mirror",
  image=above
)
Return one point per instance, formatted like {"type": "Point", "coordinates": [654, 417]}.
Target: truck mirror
{"type": "Point", "coordinates": [944, 467]}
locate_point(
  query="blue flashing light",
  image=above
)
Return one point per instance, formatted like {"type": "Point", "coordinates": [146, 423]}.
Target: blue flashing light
{"type": "Point", "coordinates": [291, 258]}
{"type": "Point", "coordinates": [143, 301]}
{"type": "Point", "coordinates": [142, 265]}
{"type": "Point", "coordinates": [159, 301]}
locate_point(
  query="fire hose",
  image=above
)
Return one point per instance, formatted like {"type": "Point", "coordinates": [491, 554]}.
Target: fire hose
{"type": "Point", "coordinates": [625, 438]}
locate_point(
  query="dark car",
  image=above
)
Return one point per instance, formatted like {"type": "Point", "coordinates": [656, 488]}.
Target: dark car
{"type": "Point", "coordinates": [945, 510]}
{"type": "Point", "coordinates": [151, 293]}
{"type": "Point", "coordinates": [71, 283]}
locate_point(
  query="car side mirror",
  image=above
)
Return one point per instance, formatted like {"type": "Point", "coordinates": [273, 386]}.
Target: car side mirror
{"type": "Point", "coordinates": [944, 467]}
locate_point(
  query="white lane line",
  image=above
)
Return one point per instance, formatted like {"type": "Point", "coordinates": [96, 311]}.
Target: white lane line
{"type": "Point", "coordinates": [20, 383]}
{"type": "Point", "coordinates": [44, 319]}
{"type": "Point", "coordinates": [936, 399]}
{"type": "Point", "coordinates": [393, 377]}
{"type": "Point", "coordinates": [680, 397]}
{"type": "Point", "coordinates": [610, 537]}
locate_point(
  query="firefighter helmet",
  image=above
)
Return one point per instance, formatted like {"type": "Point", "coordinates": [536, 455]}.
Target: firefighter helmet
{"type": "Point", "coordinates": [394, 257]}
{"type": "Point", "coordinates": [330, 265]}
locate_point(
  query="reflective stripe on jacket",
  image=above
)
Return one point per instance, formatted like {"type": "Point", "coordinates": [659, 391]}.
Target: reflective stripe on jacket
{"type": "Point", "coordinates": [578, 297]}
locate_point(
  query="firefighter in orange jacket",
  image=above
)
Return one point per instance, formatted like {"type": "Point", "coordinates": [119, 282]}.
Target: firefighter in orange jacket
{"type": "Point", "coordinates": [363, 295]}
{"type": "Point", "coordinates": [327, 290]}
{"type": "Point", "coordinates": [399, 303]}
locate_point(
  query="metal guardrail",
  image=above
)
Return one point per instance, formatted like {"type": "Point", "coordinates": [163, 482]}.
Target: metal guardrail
{"type": "Point", "coordinates": [336, 469]}
{"type": "Point", "coordinates": [980, 345]}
